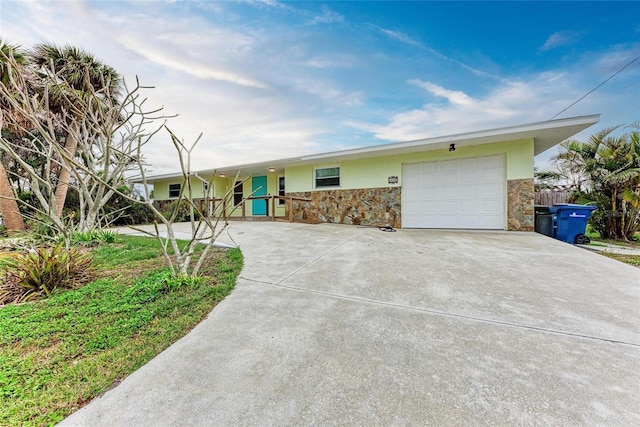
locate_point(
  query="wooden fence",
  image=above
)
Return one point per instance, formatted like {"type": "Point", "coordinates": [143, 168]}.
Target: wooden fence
{"type": "Point", "coordinates": [549, 198]}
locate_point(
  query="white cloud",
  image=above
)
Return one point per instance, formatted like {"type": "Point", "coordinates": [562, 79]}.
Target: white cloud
{"type": "Point", "coordinates": [454, 96]}
{"type": "Point", "coordinates": [522, 99]}
{"type": "Point", "coordinates": [397, 35]}
{"type": "Point", "coordinates": [331, 61]}
{"type": "Point", "coordinates": [406, 39]}
{"type": "Point", "coordinates": [473, 70]}
{"type": "Point", "coordinates": [327, 17]}
{"type": "Point", "coordinates": [613, 61]}
{"type": "Point", "coordinates": [266, 3]}
{"type": "Point", "coordinates": [180, 62]}
{"type": "Point", "coordinates": [326, 91]}
{"type": "Point", "coordinates": [509, 103]}
{"type": "Point", "coordinates": [561, 38]}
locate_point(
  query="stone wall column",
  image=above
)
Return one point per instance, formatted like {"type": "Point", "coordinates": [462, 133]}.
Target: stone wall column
{"type": "Point", "coordinates": [520, 210]}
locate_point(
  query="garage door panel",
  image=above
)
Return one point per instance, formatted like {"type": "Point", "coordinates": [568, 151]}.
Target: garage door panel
{"type": "Point", "coordinates": [449, 177]}
{"type": "Point", "coordinates": [487, 176]}
{"type": "Point", "coordinates": [457, 193]}
{"type": "Point", "coordinates": [491, 190]}
{"type": "Point", "coordinates": [471, 163]}
{"type": "Point", "coordinates": [414, 169]}
{"type": "Point", "coordinates": [428, 168]}
{"type": "Point", "coordinates": [486, 206]}
{"type": "Point", "coordinates": [448, 165]}
{"type": "Point", "coordinates": [412, 221]}
{"type": "Point", "coordinates": [413, 207]}
{"type": "Point", "coordinates": [428, 181]}
{"type": "Point", "coordinates": [468, 206]}
{"type": "Point", "coordinates": [412, 194]}
{"type": "Point", "coordinates": [470, 191]}
{"type": "Point", "coordinates": [429, 193]}
{"type": "Point", "coordinates": [491, 222]}
{"type": "Point", "coordinates": [448, 221]}
{"type": "Point", "coordinates": [469, 177]}
{"type": "Point", "coordinates": [448, 193]}
{"type": "Point", "coordinates": [449, 206]}
{"type": "Point", "coordinates": [430, 206]}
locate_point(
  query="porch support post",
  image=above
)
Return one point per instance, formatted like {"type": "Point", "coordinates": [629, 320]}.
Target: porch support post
{"type": "Point", "coordinates": [290, 209]}
{"type": "Point", "coordinates": [273, 208]}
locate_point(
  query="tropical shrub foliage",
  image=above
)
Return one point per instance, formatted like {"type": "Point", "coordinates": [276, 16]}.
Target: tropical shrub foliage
{"type": "Point", "coordinates": [37, 273]}
{"type": "Point", "coordinates": [610, 170]}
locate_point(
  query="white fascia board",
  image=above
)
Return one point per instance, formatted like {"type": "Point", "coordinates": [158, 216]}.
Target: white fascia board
{"type": "Point", "coordinates": [545, 135]}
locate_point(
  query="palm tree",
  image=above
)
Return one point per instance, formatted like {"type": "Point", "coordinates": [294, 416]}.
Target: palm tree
{"type": "Point", "coordinates": [70, 73]}
{"type": "Point", "coordinates": [12, 60]}
{"type": "Point", "coordinates": [610, 166]}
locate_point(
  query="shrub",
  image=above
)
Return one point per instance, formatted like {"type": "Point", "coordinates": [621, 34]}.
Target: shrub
{"type": "Point", "coordinates": [141, 214]}
{"type": "Point", "coordinates": [181, 209]}
{"type": "Point", "coordinates": [92, 238]}
{"type": "Point", "coordinates": [37, 273]}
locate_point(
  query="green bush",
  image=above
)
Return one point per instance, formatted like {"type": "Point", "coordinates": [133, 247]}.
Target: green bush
{"type": "Point", "coordinates": [140, 214]}
{"type": "Point", "coordinates": [37, 273]}
{"type": "Point", "coordinates": [181, 210]}
{"type": "Point", "coordinates": [93, 238]}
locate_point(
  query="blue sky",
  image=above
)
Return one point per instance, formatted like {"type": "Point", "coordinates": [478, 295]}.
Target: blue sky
{"type": "Point", "coordinates": [266, 79]}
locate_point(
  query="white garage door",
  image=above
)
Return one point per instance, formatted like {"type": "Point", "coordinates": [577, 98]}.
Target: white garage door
{"type": "Point", "coordinates": [460, 193]}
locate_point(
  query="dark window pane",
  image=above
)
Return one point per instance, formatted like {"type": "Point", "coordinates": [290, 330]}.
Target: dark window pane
{"type": "Point", "coordinates": [327, 172]}
{"type": "Point", "coordinates": [237, 193]}
{"type": "Point", "coordinates": [328, 182]}
{"type": "Point", "coordinates": [174, 190]}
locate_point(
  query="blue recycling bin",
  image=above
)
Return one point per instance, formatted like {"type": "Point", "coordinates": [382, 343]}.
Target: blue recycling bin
{"type": "Point", "coordinates": [570, 222]}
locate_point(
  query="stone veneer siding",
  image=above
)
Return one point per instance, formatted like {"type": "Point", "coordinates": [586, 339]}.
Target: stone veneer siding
{"type": "Point", "coordinates": [382, 206]}
{"type": "Point", "coordinates": [367, 206]}
{"type": "Point", "coordinates": [520, 210]}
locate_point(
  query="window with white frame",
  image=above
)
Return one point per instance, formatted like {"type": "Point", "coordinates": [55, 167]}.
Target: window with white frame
{"type": "Point", "coordinates": [281, 191]}
{"type": "Point", "coordinates": [327, 177]}
{"type": "Point", "coordinates": [174, 190]}
{"type": "Point", "coordinates": [205, 188]}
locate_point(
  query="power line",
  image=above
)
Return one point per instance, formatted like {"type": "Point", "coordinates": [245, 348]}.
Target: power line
{"type": "Point", "coordinates": [597, 87]}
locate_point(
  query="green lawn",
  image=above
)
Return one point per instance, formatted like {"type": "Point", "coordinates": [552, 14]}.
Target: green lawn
{"type": "Point", "coordinates": [58, 354]}
{"type": "Point", "coordinates": [627, 259]}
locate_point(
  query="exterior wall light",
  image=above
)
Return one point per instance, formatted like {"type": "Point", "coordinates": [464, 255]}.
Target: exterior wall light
{"type": "Point", "coordinates": [222, 175]}
{"type": "Point", "coordinates": [272, 169]}
{"type": "Point", "coordinates": [452, 147]}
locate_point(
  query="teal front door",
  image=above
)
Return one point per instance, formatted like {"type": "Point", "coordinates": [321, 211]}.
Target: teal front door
{"type": "Point", "coordinates": [259, 188]}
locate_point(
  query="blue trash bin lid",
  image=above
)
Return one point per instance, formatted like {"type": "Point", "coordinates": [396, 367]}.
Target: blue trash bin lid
{"type": "Point", "coordinates": [568, 206]}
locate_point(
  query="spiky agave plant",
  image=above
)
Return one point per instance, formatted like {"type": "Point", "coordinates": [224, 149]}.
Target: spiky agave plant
{"type": "Point", "coordinates": [37, 273]}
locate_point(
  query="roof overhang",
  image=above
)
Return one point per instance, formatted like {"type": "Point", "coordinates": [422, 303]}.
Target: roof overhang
{"type": "Point", "coordinates": [544, 134]}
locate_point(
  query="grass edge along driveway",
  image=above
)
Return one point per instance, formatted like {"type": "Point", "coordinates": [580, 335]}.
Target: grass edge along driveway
{"type": "Point", "coordinates": [58, 354]}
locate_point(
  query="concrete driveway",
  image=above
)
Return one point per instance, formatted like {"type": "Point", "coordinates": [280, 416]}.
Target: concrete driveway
{"type": "Point", "coordinates": [341, 325]}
